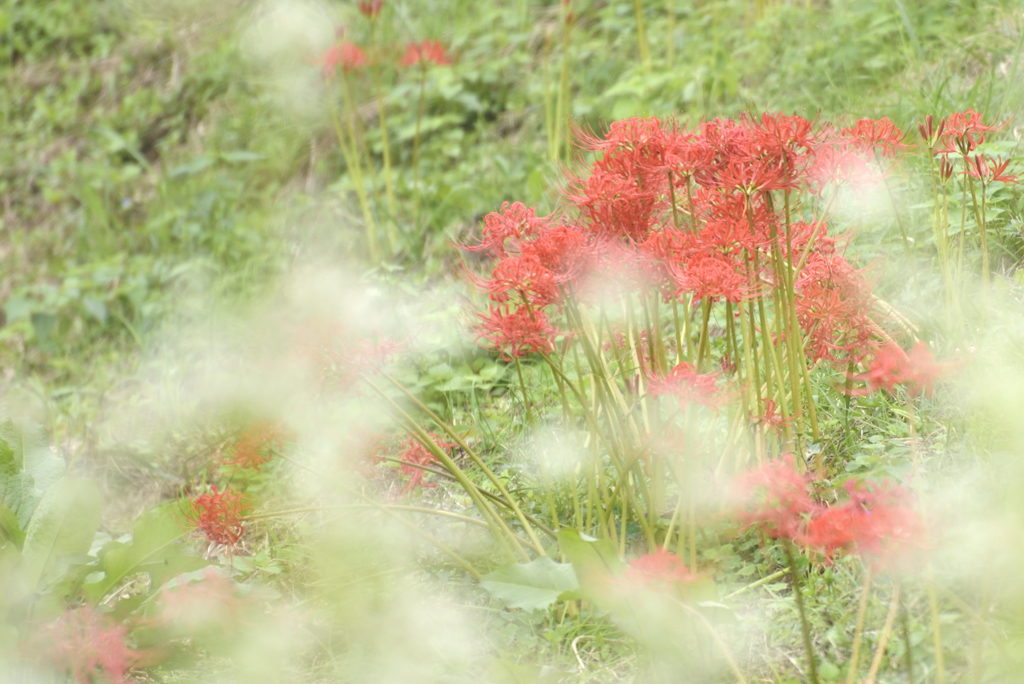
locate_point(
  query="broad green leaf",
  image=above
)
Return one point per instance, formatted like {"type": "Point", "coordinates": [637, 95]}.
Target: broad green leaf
{"type": "Point", "coordinates": [64, 524]}
{"type": "Point", "coordinates": [10, 528]}
{"type": "Point", "coordinates": [531, 586]}
{"type": "Point", "coordinates": [593, 559]}
{"type": "Point", "coordinates": [25, 474]}
{"type": "Point", "coordinates": [10, 449]}
{"type": "Point", "coordinates": [155, 549]}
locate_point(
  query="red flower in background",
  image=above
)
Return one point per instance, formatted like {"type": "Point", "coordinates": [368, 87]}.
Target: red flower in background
{"type": "Point", "coordinates": [833, 304]}
{"type": "Point", "coordinates": [687, 385]}
{"type": "Point", "coordinates": [348, 56]}
{"type": "Point", "coordinates": [426, 51]}
{"type": "Point", "coordinates": [415, 453]}
{"type": "Point", "coordinates": [195, 603]}
{"type": "Point", "coordinates": [256, 444]}
{"type": "Point", "coordinates": [661, 571]}
{"type": "Point", "coordinates": [878, 522]}
{"type": "Point", "coordinates": [775, 496]}
{"type": "Point", "coordinates": [963, 132]}
{"type": "Point", "coordinates": [880, 135]}
{"type": "Point", "coordinates": [87, 645]}
{"type": "Point", "coordinates": [218, 515]}
{"type": "Point", "coordinates": [891, 366]}
{"type": "Point", "coordinates": [370, 8]}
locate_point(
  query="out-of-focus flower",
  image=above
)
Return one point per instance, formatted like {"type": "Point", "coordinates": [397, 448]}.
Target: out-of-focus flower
{"type": "Point", "coordinates": [256, 444]}
{"type": "Point", "coordinates": [370, 8]}
{"type": "Point", "coordinates": [775, 496]}
{"type": "Point", "coordinates": [415, 453]}
{"type": "Point", "coordinates": [347, 55]}
{"type": "Point", "coordinates": [880, 135]}
{"type": "Point", "coordinates": [426, 51]}
{"type": "Point", "coordinates": [660, 571]}
{"type": "Point", "coordinates": [200, 603]}
{"type": "Point", "coordinates": [877, 522]}
{"type": "Point", "coordinates": [771, 416]}
{"type": "Point", "coordinates": [917, 369]}
{"type": "Point", "coordinates": [218, 515]}
{"type": "Point", "coordinates": [87, 645]}
{"type": "Point", "coordinates": [687, 385]}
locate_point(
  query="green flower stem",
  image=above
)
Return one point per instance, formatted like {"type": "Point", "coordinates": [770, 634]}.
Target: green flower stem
{"type": "Point", "coordinates": [908, 651]}
{"type": "Point", "coordinates": [450, 431]}
{"type": "Point", "coordinates": [858, 632]}
{"type": "Point", "coordinates": [522, 388]}
{"type": "Point", "coordinates": [641, 33]}
{"type": "Point", "coordinates": [702, 344]}
{"type": "Point", "coordinates": [497, 523]}
{"type": "Point", "coordinates": [805, 628]}
{"type": "Point", "coordinates": [933, 616]}
{"type": "Point", "coordinates": [883, 640]}
{"type": "Point", "coordinates": [754, 585]}
{"type": "Point", "coordinates": [416, 148]}
{"type": "Point", "coordinates": [347, 141]}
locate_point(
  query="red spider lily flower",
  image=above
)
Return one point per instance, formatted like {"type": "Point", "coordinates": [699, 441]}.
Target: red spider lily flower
{"type": "Point", "coordinates": [660, 571]}
{"type": "Point", "coordinates": [517, 332]}
{"type": "Point", "coordinates": [878, 522]}
{"type": "Point", "coordinates": [751, 176]}
{"type": "Point", "coordinates": [775, 497]}
{"type": "Point", "coordinates": [880, 135]}
{"type": "Point", "coordinates": [687, 385]}
{"type": "Point", "coordinates": [841, 164]}
{"type": "Point", "coordinates": [615, 201]}
{"type": "Point", "coordinates": [370, 8]}
{"type": "Point", "coordinates": [218, 515]}
{"type": "Point", "coordinates": [963, 132]}
{"type": "Point", "coordinates": [415, 453]}
{"type": "Point", "coordinates": [988, 169]}
{"type": "Point", "coordinates": [426, 51]}
{"type": "Point", "coordinates": [503, 230]}
{"type": "Point", "coordinates": [945, 169]}
{"type": "Point", "coordinates": [713, 276]}
{"type": "Point", "coordinates": [564, 250]}
{"type": "Point", "coordinates": [625, 192]}
{"type": "Point", "coordinates": [689, 156]}
{"type": "Point", "coordinates": [891, 366]}
{"type": "Point", "coordinates": [833, 305]}
{"type": "Point", "coordinates": [626, 134]}
{"type": "Point", "coordinates": [87, 645]}
{"type": "Point", "coordinates": [771, 417]}
{"type": "Point", "coordinates": [782, 138]}
{"type": "Point", "coordinates": [524, 276]}
{"type": "Point", "coordinates": [348, 56]}
{"type": "Point", "coordinates": [256, 445]}
{"type": "Point", "coordinates": [930, 132]}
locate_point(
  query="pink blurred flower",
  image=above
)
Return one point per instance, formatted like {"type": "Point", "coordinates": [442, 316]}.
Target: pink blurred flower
{"type": "Point", "coordinates": [87, 645]}
{"type": "Point", "coordinates": [426, 51]}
